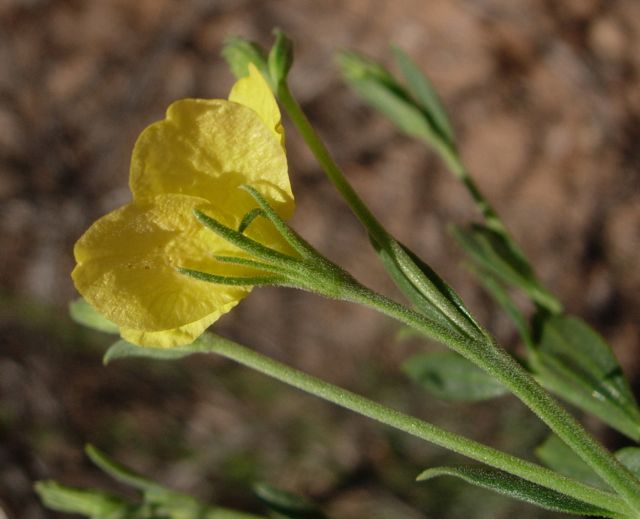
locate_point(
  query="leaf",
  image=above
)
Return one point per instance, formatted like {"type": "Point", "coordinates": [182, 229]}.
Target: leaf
{"type": "Point", "coordinates": [425, 289]}
{"type": "Point", "coordinates": [117, 471]}
{"type": "Point", "coordinates": [287, 504]}
{"type": "Point", "coordinates": [238, 53]}
{"type": "Point", "coordinates": [498, 254]}
{"type": "Point", "coordinates": [555, 454]}
{"type": "Point", "coordinates": [417, 298]}
{"type": "Point", "coordinates": [280, 58]}
{"type": "Point", "coordinates": [422, 89]}
{"type": "Point", "coordinates": [377, 87]}
{"type": "Point", "coordinates": [500, 295]}
{"type": "Point", "coordinates": [517, 488]}
{"type": "Point", "coordinates": [123, 349]}
{"type": "Point", "coordinates": [83, 313]}
{"type": "Point", "coordinates": [574, 361]}
{"type": "Point", "coordinates": [91, 503]}
{"type": "Point", "coordinates": [630, 458]}
{"type": "Point", "coordinates": [449, 376]}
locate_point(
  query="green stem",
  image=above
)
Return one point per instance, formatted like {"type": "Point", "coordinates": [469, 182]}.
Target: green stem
{"type": "Point", "coordinates": [414, 426]}
{"type": "Point", "coordinates": [488, 355]}
{"type": "Point", "coordinates": [319, 150]}
{"type": "Point", "coordinates": [452, 160]}
{"type": "Point", "coordinates": [502, 366]}
{"type": "Point", "coordinates": [376, 230]}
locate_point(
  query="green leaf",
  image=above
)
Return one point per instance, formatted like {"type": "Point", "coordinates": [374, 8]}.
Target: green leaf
{"type": "Point", "coordinates": [517, 488]}
{"type": "Point", "coordinates": [422, 89]}
{"type": "Point", "coordinates": [286, 504]}
{"type": "Point", "coordinates": [91, 503]}
{"type": "Point", "coordinates": [449, 376]}
{"type": "Point", "coordinates": [378, 88]}
{"type": "Point", "coordinates": [555, 454]}
{"type": "Point", "coordinates": [499, 293]}
{"type": "Point", "coordinates": [123, 349]}
{"type": "Point", "coordinates": [280, 58]}
{"type": "Point", "coordinates": [117, 471]}
{"type": "Point", "coordinates": [574, 361]}
{"type": "Point", "coordinates": [498, 254]}
{"type": "Point", "coordinates": [83, 313]}
{"type": "Point", "coordinates": [417, 298]}
{"type": "Point", "coordinates": [238, 53]}
{"type": "Point", "coordinates": [158, 502]}
{"type": "Point", "coordinates": [430, 294]}
{"type": "Point", "coordinates": [630, 458]}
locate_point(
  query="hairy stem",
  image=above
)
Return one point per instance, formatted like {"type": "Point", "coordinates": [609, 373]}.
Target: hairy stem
{"type": "Point", "coordinates": [414, 426]}
{"type": "Point", "coordinates": [503, 367]}
{"type": "Point", "coordinates": [485, 353]}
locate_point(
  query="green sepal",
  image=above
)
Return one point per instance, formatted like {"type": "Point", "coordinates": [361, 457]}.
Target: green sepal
{"type": "Point", "coordinates": [517, 488]}
{"type": "Point", "coordinates": [83, 313]}
{"type": "Point", "coordinates": [238, 53]}
{"type": "Point", "coordinates": [493, 251]}
{"type": "Point", "coordinates": [423, 91]}
{"type": "Point", "coordinates": [449, 376]}
{"type": "Point", "coordinates": [556, 455]}
{"type": "Point", "coordinates": [241, 281]}
{"type": "Point", "coordinates": [248, 219]}
{"type": "Point", "coordinates": [574, 361]}
{"type": "Point", "coordinates": [280, 58]}
{"type": "Point", "coordinates": [285, 504]}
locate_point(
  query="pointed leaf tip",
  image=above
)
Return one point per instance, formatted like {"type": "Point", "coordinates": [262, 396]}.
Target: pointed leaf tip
{"type": "Point", "coordinates": [517, 488]}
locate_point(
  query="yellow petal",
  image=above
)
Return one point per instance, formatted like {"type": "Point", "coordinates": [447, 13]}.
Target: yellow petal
{"type": "Point", "coordinates": [253, 91]}
{"type": "Point", "coordinates": [176, 337]}
{"type": "Point", "coordinates": [127, 265]}
{"type": "Point", "coordinates": [207, 148]}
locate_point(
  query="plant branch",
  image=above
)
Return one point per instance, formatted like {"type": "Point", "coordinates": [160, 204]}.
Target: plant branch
{"type": "Point", "coordinates": [414, 426]}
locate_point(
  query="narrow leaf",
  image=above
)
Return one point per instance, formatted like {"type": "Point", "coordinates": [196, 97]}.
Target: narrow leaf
{"type": "Point", "coordinates": [377, 87]}
{"type": "Point", "coordinates": [499, 293]}
{"type": "Point", "coordinates": [238, 53]}
{"type": "Point", "coordinates": [517, 488]}
{"type": "Point", "coordinates": [417, 298]}
{"type": "Point", "coordinates": [422, 89]}
{"type": "Point", "coordinates": [574, 361]}
{"type": "Point", "coordinates": [83, 313]}
{"type": "Point", "coordinates": [119, 472]}
{"type": "Point", "coordinates": [630, 458]}
{"type": "Point", "coordinates": [123, 349]}
{"type": "Point", "coordinates": [555, 454]}
{"type": "Point", "coordinates": [499, 255]}
{"type": "Point", "coordinates": [428, 291]}
{"type": "Point", "coordinates": [91, 503]}
{"type": "Point", "coordinates": [280, 58]}
{"type": "Point", "coordinates": [449, 376]}
{"type": "Point", "coordinates": [286, 504]}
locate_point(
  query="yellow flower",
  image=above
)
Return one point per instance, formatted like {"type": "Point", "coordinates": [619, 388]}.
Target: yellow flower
{"type": "Point", "coordinates": [195, 158]}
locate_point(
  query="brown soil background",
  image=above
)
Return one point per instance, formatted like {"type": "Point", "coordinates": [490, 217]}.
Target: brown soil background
{"type": "Point", "coordinates": [545, 99]}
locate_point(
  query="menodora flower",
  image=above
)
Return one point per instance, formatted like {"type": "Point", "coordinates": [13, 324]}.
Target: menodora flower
{"type": "Point", "coordinates": [195, 159]}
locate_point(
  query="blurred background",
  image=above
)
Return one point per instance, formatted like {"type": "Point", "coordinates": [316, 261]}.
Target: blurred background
{"type": "Point", "coordinates": [545, 98]}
